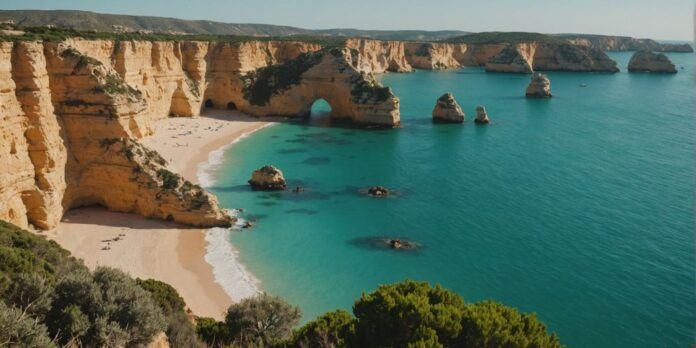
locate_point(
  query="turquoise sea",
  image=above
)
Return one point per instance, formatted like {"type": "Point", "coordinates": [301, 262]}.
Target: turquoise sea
{"type": "Point", "coordinates": [579, 208]}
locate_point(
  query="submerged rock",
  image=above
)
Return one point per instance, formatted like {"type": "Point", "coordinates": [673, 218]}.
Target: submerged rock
{"type": "Point", "coordinates": [447, 110]}
{"type": "Point", "coordinates": [267, 178]}
{"type": "Point", "coordinates": [647, 61]}
{"type": "Point", "coordinates": [481, 115]}
{"type": "Point", "coordinates": [378, 191]}
{"type": "Point", "coordinates": [539, 86]}
{"type": "Point", "coordinates": [400, 244]}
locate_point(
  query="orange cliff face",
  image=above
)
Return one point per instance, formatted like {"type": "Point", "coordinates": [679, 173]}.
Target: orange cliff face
{"type": "Point", "coordinates": [72, 114]}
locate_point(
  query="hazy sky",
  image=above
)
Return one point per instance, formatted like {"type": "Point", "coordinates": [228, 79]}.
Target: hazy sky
{"type": "Point", "coordinates": [658, 19]}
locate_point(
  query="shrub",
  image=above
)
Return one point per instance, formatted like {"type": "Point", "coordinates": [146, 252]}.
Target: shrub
{"type": "Point", "coordinates": [117, 310]}
{"type": "Point", "coordinates": [170, 180]}
{"type": "Point", "coordinates": [329, 330]}
{"type": "Point", "coordinates": [491, 324]}
{"type": "Point", "coordinates": [213, 332]}
{"type": "Point", "coordinates": [262, 319]}
{"type": "Point", "coordinates": [180, 331]}
{"type": "Point", "coordinates": [408, 313]}
{"type": "Point", "coordinates": [19, 330]}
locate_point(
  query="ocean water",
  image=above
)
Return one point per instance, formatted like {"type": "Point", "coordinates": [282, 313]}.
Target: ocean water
{"type": "Point", "coordinates": [579, 208]}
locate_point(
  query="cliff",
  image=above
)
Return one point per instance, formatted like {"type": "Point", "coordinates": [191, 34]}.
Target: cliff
{"type": "Point", "coordinates": [624, 43]}
{"type": "Point", "coordinates": [73, 112]}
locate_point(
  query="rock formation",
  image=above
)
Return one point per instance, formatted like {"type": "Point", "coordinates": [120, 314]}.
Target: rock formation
{"type": "Point", "coordinates": [378, 191]}
{"type": "Point", "coordinates": [268, 178]}
{"type": "Point", "coordinates": [623, 43]}
{"type": "Point", "coordinates": [481, 115]}
{"type": "Point", "coordinates": [646, 61]}
{"type": "Point", "coordinates": [447, 110]}
{"type": "Point", "coordinates": [539, 86]}
{"type": "Point", "coordinates": [290, 89]}
{"type": "Point", "coordinates": [537, 56]}
{"type": "Point", "coordinates": [70, 125]}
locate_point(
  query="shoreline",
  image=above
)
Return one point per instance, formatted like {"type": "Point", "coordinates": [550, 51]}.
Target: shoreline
{"type": "Point", "coordinates": [185, 258]}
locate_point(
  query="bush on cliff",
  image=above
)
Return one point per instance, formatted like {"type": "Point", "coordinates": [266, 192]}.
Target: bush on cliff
{"type": "Point", "coordinates": [413, 314]}
{"type": "Point", "coordinates": [260, 321]}
{"type": "Point", "coordinates": [54, 292]}
{"type": "Point", "coordinates": [180, 330]}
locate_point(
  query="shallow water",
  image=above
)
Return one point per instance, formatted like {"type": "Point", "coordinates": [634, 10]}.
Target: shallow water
{"type": "Point", "coordinates": [579, 208]}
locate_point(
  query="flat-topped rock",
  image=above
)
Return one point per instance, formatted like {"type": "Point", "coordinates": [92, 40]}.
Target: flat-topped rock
{"type": "Point", "coordinates": [539, 86]}
{"type": "Point", "coordinates": [481, 115]}
{"type": "Point", "coordinates": [646, 61]}
{"type": "Point", "coordinates": [447, 110]}
{"type": "Point", "coordinates": [268, 178]}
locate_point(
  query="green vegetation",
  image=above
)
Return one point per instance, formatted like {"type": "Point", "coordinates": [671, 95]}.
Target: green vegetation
{"type": "Point", "coordinates": [82, 60]}
{"type": "Point", "coordinates": [261, 84]}
{"type": "Point", "coordinates": [180, 330]}
{"type": "Point", "coordinates": [170, 180]}
{"type": "Point", "coordinates": [49, 298]}
{"type": "Point", "coordinates": [259, 321]}
{"type": "Point", "coordinates": [368, 91]}
{"type": "Point", "coordinates": [114, 84]}
{"type": "Point", "coordinates": [84, 20]}
{"type": "Point", "coordinates": [53, 34]}
{"type": "Point", "coordinates": [504, 37]}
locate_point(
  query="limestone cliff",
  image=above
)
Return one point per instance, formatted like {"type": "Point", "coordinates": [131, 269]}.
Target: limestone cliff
{"type": "Point", "coordinates": [624, 43]}
{"type": "Point", "coordinates": [542, 56]}
{"type": "Point", "coordinates": [291, 88]}
{"type": "Point", "coordinates": [69, 128]}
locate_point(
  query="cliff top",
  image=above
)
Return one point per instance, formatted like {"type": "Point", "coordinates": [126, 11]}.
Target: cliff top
{"type": "Point", "coordinates": [100, 22]}
{"type": "Point", "coordinates": [504, 37]}
{"type": "Point", "coordinates": [55, 34]}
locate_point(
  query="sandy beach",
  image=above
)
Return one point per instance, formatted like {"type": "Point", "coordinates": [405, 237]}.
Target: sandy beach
{"type": "Point", "coordinates": [157, 249]}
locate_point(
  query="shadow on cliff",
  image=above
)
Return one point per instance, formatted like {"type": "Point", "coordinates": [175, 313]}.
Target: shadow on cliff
{"type": "Point", "coordinates": [99, 215]}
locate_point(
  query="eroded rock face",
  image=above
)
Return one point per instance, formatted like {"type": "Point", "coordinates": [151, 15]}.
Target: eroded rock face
{"type": "Point", "coordinates": [481, 115]}
{"type": "Point", "coordinates": [539, 86]}
{"type": "Point", "coordinates": [536, 56]}
{"type": "Point", "coordinates": [447, 110]}
{"type": "Point", "coordinates": [646, 61]}
{"type": "Point", "coordinates": [290, 89]}
{"type": "Point", "coordinates": [268, 178]}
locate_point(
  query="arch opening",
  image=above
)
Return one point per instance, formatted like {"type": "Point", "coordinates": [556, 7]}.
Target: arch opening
{"type": "Point", "coordinates": [209, 103]}
{"type": "Point", "coordinates": [231, 106]}
{"type": "Point", "coordinates": [320, 108]}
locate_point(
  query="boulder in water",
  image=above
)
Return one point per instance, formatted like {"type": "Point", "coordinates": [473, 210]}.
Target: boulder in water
{"type": "Point", "coordinates": [539, 86]}
{"type": "Point", "coordinates": [378, 191]}
{"type": "Point", "coordinates": [447, 110]}
{"type": "Point", "coordinates": [481, 115]}
{"type": "Point", "coordinates": [267, 178]}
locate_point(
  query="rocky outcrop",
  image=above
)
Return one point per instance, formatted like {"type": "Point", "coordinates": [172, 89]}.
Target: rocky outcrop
{"type": "Point", "coordinates": [646, 61]}
{"type": "Point", "coordinates": [481, 115]}
{"type": "Point", "coordinates": [378, 191]}
{"type": "Point", "coordinates": [539, 87]}
{"type": "Point", "coordinates": [290, 89]}
{"type": "Point", "coordinates": [378, 57]}
{"type": "Point", "coordinates": [431, 56]}
{"type": "Point", "coordinates": [447, 110]}
{"type": "Point", "coordinates": [268, 178]}
{"type": "Point", "coordinates": [538, 56]}
{"type": "Point", "coordinates": [624, 43]}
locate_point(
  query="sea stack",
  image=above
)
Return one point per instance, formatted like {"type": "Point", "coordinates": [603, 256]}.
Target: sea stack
{"type": "Point", "coordinates": [646, 61]}
{"type": "Point", "coordinates": [267, 178]}
{"type": "Point", "coordinates": [539, 86]}
{"type": "Point", "coordinates": [447, 110]}
{"type": "Point", "coordinates": [481, 115]}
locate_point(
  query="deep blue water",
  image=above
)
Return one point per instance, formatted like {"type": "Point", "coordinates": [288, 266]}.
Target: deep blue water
{"type": "Point", "coordinates": [579, 208]}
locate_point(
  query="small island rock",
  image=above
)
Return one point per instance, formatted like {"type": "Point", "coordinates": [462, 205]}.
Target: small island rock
{"type": "Point", "coordinates": [539, 86]}
{"type": "Point", "coordinates": [267, 178]}
{"type": "Point", "coordinates": [378, 191]}
{"type": "Point", "coordinates": [447, 110]}
{"type": "Point", "coordinates": [481, 115]}
{"type": "Point", "coordinates": [646, 61]}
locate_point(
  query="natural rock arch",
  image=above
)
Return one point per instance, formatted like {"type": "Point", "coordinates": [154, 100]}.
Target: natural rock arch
{"type": "Point", "coordinates": [330, 75]}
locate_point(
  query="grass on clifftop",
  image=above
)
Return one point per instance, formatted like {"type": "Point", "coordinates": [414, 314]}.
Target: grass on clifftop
{"type": "Point", "coordinates": [505, 37]}
{"type": "Point", "coordinates": [61, 34]}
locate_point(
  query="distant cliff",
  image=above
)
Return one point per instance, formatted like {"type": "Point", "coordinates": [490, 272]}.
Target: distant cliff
{"type": "Point", "coordinates": [623, 43]}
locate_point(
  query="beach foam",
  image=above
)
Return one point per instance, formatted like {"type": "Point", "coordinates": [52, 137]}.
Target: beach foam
{"type": "Point", "coordinates": [237, 282]}
{"type": "Point", "coordinates": [206, 170]}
